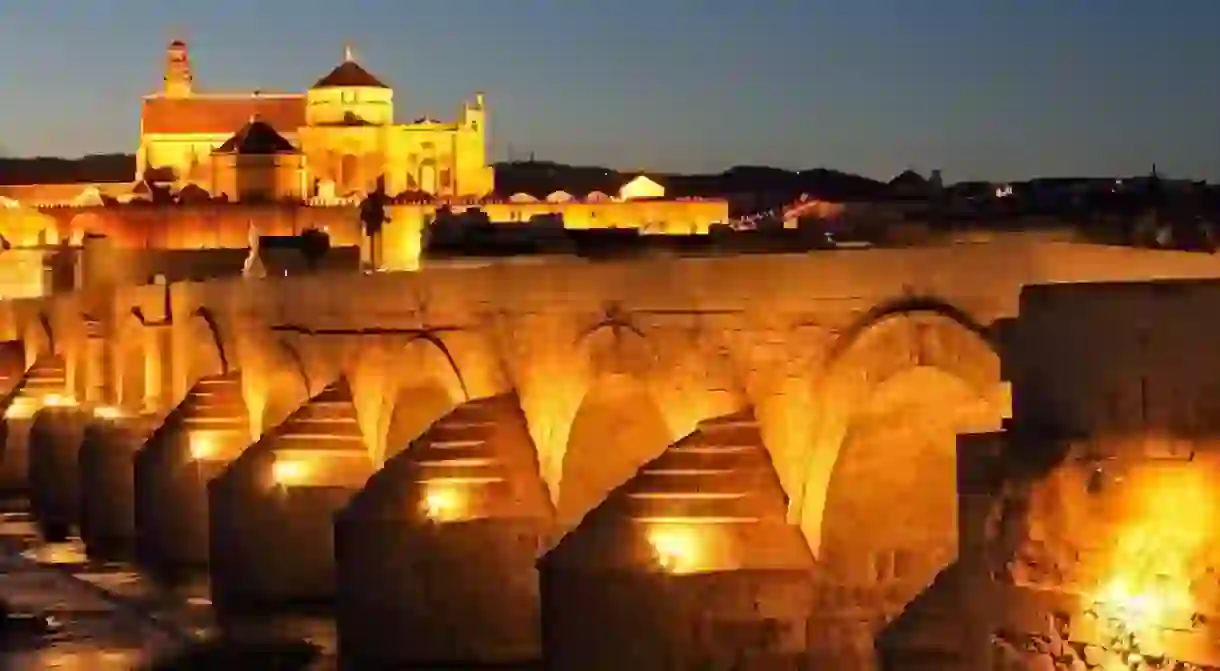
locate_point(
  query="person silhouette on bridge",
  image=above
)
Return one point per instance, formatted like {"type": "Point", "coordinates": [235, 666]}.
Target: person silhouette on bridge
{"type": "Point", "coordinates": [373, 217]}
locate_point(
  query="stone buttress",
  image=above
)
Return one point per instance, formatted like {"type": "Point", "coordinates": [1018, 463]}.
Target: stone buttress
{"type": "Point", "coordinates": [436, 556]}
{"type": "Point", "coordinates": [272, 522]}
{"type": "Point", "coordinates": [45, 381]}
{"type": "Point", "coordinates": [688, 565]}
{"type": "Point", "coordinates": [199, 438]}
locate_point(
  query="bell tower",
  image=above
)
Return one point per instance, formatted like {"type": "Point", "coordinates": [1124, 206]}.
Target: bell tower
{"type": "Point", "coordinates": [179, 82]}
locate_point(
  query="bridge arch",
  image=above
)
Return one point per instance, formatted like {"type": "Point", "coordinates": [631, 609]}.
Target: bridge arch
{"type": "Point", "coordinates": [430, 384]}
{"type": "Point", "coordinates": [132, 354]}
{"type": "Point", "coordinates": [617, 425]}
{"type": "Point", "coordinates": [277, 377]}
{"type": "Point", "coordinates": [878, 353]}
{"type": "Point", "coordinates": [897, 389]}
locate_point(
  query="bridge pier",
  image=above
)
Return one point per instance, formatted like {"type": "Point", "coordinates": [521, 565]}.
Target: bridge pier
{"type": "Point", "coordinates": [45, 381]}
{"type": "Point", "coordinates": [436, 556]}
{"type": "Point", "coordinates": [688, 565]}
{"type": "Point", "coordinates": [196, 443]}
{"type": "Point", "coordinates": [55, 440]}
{"type": "Point", "coordinates": [272, 510]}
{"type": "Point", "coordinates": [107, 482]}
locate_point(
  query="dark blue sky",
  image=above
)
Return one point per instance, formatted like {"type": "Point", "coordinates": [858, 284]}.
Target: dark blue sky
{"type": "Point", "coordinates": [980, 88]}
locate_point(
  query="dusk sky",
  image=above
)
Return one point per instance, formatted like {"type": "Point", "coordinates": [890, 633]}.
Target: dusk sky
{"type": "Point", "coordinates": [992, 89]}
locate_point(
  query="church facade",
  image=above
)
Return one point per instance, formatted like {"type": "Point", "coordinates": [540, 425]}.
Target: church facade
{"type": "Point", "coordinates": [339, 139]}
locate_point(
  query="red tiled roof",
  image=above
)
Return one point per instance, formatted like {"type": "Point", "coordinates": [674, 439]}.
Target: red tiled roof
{"type": "Point", "coordinates": [216, 114]}
{"type": "Point", "coordinates": [349, 73]}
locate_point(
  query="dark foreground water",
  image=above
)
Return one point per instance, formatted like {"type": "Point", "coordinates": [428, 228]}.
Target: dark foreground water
{"type": "Point", "coordinates": [72, 613]}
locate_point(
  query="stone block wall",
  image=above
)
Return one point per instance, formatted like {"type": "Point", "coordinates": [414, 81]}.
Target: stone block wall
{"type": "Point", "coordinates": [1090, 522]}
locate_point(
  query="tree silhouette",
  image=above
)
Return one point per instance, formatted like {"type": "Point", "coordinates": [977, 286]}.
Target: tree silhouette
{"type": "Point", "coordinates": [315, 245]}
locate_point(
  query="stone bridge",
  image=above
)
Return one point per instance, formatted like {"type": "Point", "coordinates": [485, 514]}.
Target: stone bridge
{"type": "Point", "coordinates": [667, 463]}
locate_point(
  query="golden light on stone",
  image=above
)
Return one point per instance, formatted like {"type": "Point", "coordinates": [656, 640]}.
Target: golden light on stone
{"type": "Point", "coordinates": [1166, 529]}
{"type": "Point", "coordinates": [289, 472]}
{"type": "Point", "coordinates": [676, 547]}
{"type": "Point", "coordinates": [107, 412]}
{"type": "Point", "coordinates": [58, 401]}
{"type": "Point", "coordinates": [21, 408]}
{"type": "Point", "coordinates": [203, 445]}
{"type": "Point", "coordinates": [443, 502]}
{"type": "Point", "coordinates": [1137, 610]}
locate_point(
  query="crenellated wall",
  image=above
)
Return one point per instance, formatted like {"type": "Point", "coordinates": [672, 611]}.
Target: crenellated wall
{"type": "Point", "coordinates": [859, 367]}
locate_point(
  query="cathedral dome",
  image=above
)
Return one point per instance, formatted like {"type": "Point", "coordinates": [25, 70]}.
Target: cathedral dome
{"type": "Point", "coordinates": [349, 74]}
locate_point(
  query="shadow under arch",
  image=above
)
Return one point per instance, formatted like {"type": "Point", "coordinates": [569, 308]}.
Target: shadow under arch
{"type": "Point", "coordinates": [426, 392]}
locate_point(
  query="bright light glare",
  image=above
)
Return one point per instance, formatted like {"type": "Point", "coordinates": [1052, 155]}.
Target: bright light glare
{"type": "Point", "coordinates": [1137, 610]}
{"type": "Point", "coordinates": [21, 408]}
{"type": "Point", "coordinates": [58, 401]}
{"type": "Point", "coordinates": [289, 472]}
{"type": "Point", "coordinates": [202, 446]}
{"type": "Point", "coordinates": [1168, 525]}
{"type": "Point", "coordinates": [676, 548]}
{"type": "Point", "coordinates": [443, 504]}
{"type": "Point", "coordinates": [107, 412]}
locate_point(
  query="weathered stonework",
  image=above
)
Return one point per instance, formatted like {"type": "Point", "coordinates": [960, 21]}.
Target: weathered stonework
{"type": "Point", "coordinates": [436, 555]}
{"type": "Point", "coordinates": [55, 440]}
{"type": "Point", "coordinates": [45, 376]}
{"type": "Point", "coordinates": [197, 441]}
{"type": "Point", "coordinates": [108, 483]}
{"type": "Point", "coordinates": [858, 367]}
{"type": "Point", "coordinates": [271, 509]}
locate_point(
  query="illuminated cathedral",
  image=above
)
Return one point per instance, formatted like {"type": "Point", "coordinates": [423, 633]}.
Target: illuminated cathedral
{"type": "Point", "coordinates": [338, 139]}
